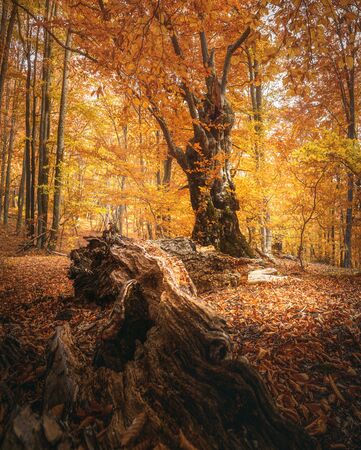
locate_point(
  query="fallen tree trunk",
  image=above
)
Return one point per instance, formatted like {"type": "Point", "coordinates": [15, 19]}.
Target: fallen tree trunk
{"type": "Point", "coordinates": [169, 368]}
{"type": "Point", "coordinates": [161, 376]}
{"type": "Point", "coordinates": [209, 269]}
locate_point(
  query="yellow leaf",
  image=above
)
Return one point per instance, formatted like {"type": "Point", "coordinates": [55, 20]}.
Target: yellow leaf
{"type": "Point", "coordinates": [349, 62]}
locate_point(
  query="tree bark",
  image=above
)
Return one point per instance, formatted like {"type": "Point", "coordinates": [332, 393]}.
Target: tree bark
{"type": "Point", "coordinates": [257, 119]}
{"type": "Point", "coordinates": [19, 220]}
{"type": "Point", "coordinates": [4, 143]}
{"type": "Point", "coordinates": [4, 21]}
{"type": "Point", "coordinates": [28, 174]}
{"type": "Point", "coordinates": [60, 146]}
{"type": "Point", "coordinates": [168, 358]}
{"type": "Point", "coordinates": [350, 113]}
{"type": "Point", "coordinates": [5, 52]}
{"type": "Point", "coordinates": [351, 134]}
{"type": "Point", "coordinates": [162, 367]}
{"type": "Point", "coordinates": [43, 177]}
{"type": "Point", "coordinates": [33, 137]}
{"type": "Point", "coordinates": [10, 155]}
{"type": "Point", "coordinates": [347, 261]}
{"type": "Point", "coordinates": [206, 160]}
{"type": "Point", "coordinates": [211, 187]}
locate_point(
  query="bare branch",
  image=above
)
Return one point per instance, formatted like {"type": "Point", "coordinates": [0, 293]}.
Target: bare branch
{"type": "Point", "coordinates": [176, 45]}
{"type": "Point", "coordinates": [204, 47]}
{"type": "Point", "coordinates": [56, 39]}
{"type": "Point", "coordinates": [173, 150]}
{"type": "Point", "coordinates": [230, 51]}
{"type": "Point", "coordinates": [188, 94]}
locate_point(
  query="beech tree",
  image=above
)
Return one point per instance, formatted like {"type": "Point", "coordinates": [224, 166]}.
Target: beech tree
{"type": "Point", "coordinates": [60, 145]}
{"type": "Point", "coordinates": [172, 112]}
{"type": "Point", "coordinates": [324, 45]}
{"type": "Point", "coordinates": [44, 132]}
{"type": "Point", "coordinates": [170, 39]}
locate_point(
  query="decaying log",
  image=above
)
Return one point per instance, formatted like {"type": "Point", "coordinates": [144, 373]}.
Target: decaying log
{"type": "Point", "coordinates": [209, 269]}
{"type": "Point", "coordinates": [162, 374]}
{"type": "Point", "coordinates": [31, 429]}
{"type": "Point", "coordinates": [167, 360]}
{"type": "Point", "coordinates": [61, 385]}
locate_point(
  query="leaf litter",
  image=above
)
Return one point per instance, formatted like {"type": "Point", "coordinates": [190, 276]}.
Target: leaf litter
{"type": "Point", "coordinates": [302, 335]}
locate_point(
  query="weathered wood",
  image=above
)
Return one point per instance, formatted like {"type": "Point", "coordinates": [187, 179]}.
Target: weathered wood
{"type": "Point", "coordinates": [30, 429]}
{"type": "Point", "coordinates": [168, 358]}
{"type": "Point", "coordinates": [208, 268]}
{"type": "Point", "coordinates": [163, 375]}
{"type": "Point", "coordinates": [62, 380]}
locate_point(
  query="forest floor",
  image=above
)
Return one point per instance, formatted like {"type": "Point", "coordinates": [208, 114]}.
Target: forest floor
{"type": "Point", "coordinates": [302, 334]}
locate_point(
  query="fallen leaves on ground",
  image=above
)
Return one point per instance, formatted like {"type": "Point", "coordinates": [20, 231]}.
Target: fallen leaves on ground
{"type": "Point", "coordinates": [303, 336]}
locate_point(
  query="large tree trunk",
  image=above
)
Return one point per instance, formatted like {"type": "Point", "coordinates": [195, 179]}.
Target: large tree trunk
{"type": "Point", "coordinates": [212, 190]}
{"type": "Point", "coordinates": [206, 161]}
{"type": "Point", "coordinates": [162, 366]}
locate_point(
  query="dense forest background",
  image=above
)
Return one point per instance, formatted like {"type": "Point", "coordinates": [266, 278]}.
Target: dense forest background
{"type": "Point", "coordinates": [96, 106]}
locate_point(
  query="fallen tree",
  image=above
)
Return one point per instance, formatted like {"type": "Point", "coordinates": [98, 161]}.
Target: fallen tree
{"type": "Point", "coordinates": [209, 269]}
{"type": "Point", "coordinates": [162, 361]}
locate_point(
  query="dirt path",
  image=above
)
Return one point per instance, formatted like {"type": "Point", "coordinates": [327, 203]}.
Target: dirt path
{"type": "Point", "coordinates": [303, 335]}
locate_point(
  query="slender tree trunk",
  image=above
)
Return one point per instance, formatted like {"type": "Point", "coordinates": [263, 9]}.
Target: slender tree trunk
{"type": "Point", "coordinates": [2, 174]}
{"type": "Point", "coordinates": [4, 144]}
{"type": "Point", "coordinates": [4, 21]}
{"type": "Point", "coordinates": [347, 262]}
{"type": "Point", "coordinates": [257, 119]}
{"type": "Point", "coordinates": [351, 134]}
{"type": "Point", "coordinates": [43, 196]}
{"type": "Point", "coordinates": [60, 147]}
{"type": "Point", "coordinates": [29, 225]}
{"type": "Point", "coordinates": [5, 52]}
{"type": "Point", "coordinates": [121, 208]}
{"type": "Point", "coordinates": [19, 221]}
{"type": "Point", "coordinates": [163, 177]}
{"type": "Point", "coordinates": [33, 138]}
{"type": "Point", "coordinates": [333, 238]}
{"type": "Point", "coordinates": [10, 155]}
{"type": "Point", "coordinates": [163, 182]}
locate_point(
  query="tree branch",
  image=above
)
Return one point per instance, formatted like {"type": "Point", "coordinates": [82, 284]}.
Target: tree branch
{"type": "Point", "coordinates": [56, 39]}
{"type": "Point", "coordinates": [173, 150]}
{"type": "Point", "coordinates": [227, 61]}
{"type": "Point", "coordinates": [204, 47]}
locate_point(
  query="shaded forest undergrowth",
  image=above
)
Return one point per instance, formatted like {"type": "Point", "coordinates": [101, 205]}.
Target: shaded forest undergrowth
{"type": "Point", "coordinates": [302, 334]}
